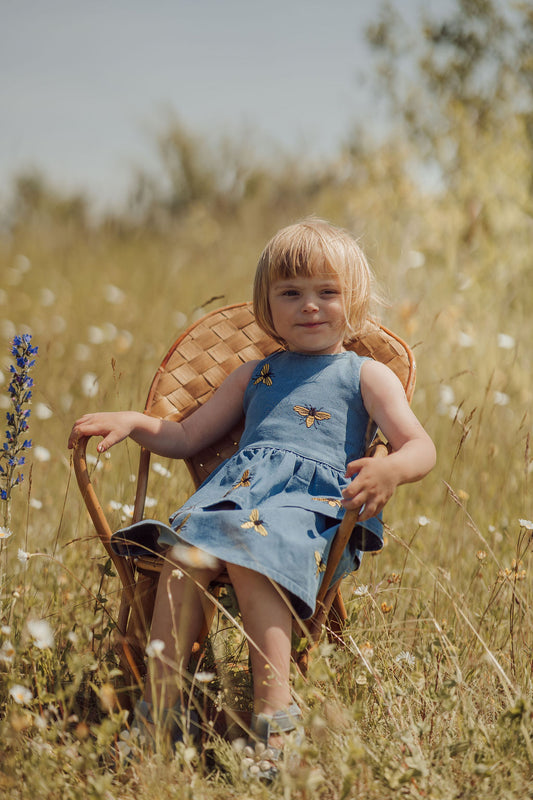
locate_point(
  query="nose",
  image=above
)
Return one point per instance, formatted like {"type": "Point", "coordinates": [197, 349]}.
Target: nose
{"type": "Point", "coordinates": [309, 303]}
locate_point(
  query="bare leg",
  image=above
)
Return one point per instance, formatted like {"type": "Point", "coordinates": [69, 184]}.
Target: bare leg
{"type": "Point", "coordinates": [268, 623]}
{"type": "Point", "coordinates": [179, 610]}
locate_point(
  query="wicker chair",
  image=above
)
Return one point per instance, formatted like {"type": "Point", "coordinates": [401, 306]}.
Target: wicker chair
{"type": "Point", "coordinates": [193, 368]}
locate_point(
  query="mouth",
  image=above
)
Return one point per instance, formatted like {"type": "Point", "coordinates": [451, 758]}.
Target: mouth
{"type": "Point", "coordinates": [311, 324]}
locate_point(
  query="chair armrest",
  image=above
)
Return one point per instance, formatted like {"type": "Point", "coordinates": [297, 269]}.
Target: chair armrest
{"type": "Point", "coordinates": [99, 519]}
{"type": "Point", "coordinates": [377, 449]}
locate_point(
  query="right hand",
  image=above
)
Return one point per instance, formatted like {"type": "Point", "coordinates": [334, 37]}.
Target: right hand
{"type": "Point", "coordinates": [114, 426]}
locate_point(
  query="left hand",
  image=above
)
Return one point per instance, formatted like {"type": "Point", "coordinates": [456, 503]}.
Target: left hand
{"type": "Point", "coordinates": [372, 487]}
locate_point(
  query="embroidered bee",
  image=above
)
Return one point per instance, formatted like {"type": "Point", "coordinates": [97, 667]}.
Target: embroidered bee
{"type": "Point", "coordinates": [265, 376]}
{"type": "Point", "coordinates": [320, 566]}
{"type": "Point", "coordinates": [256, 523]}
{"type": "Point", "coordinates": [244, 482]}
{"type": "Point", "coordinates": [312, 416]}
{"type": "Point", "coordinates": [331, 501]}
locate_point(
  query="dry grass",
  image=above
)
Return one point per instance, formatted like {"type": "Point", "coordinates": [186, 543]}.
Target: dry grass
{"type": "Point", "coordinates": [431, 695]}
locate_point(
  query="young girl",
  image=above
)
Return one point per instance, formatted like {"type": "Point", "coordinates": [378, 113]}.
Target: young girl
{"type": "Point", "coordinates": [268, 514]}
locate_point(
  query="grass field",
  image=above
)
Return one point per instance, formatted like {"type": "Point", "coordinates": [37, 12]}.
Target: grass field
{"type": "Point", "coordinates": [431, 695]}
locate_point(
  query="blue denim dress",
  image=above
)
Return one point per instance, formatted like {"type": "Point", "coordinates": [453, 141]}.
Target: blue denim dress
{"type": "Point", "coordinates": [274, 506]}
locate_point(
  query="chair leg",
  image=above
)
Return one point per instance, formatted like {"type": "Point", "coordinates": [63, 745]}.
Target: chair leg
{"type": "Point", "coordinates": [337, 616]}
{"type": "Point", "coordinates": [134, 639]}
{"type": "Point", "coordinates": [330, 610]}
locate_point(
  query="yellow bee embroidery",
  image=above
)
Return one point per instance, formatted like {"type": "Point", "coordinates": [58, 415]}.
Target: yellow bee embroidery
{"type": "Point", "coordinates": [256, 523]}
{"type": "Point", "coordinates": [244, 481]}
{"type": "Point", "coordinates": [312, 416]}
{"type": "Point", "coordinates": [331, 501]}
{"type": "Point", "coordinates": [265, 376]}
{"type": "Point", "coordinates": [320, 566]}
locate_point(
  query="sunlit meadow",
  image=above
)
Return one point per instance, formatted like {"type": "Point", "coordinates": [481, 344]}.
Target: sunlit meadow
{"type": "Point", "coordinates": [430, 696]}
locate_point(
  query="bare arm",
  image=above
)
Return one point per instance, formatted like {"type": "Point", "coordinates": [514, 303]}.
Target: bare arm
{"type": "Point", "coordinates": [413, 453]}
{"type": "Point", "coordinates": [164, 437]}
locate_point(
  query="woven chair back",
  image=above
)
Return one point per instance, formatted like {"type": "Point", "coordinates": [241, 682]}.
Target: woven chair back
{"type": "Point", "coordinates": [207, 352]}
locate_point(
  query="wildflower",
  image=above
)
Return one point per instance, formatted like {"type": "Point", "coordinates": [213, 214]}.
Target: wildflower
{"type": "Point", "coordinates": [23, 556]}
{"type": "Point", "coordinates": [446, 398]}
{"type": "Point", "coordinates": [386, 608]}
{"type": "Point", "coordinates": [526, 523]}
{"type": "Point", "coordinates": [505, 341]}
{"type": "Point", "coordinates": [161, 470]}
{"type": "Point", "coordinates": [423, 521]}
{"type": "Point", "coordinates": [455, 413]}
{"type": "Point", "coordinates": [41, 633]}
{"type": "Point", "coordinates": [5, 533]}
{"type": "Point", "coordinates": [179, 319]}
{"type": "Point", "coordinates": [205, 677]}
{"type": "Point", "coordinates": [367, 650]}
{"type": "Point", "coordinates": [154, 649]}
{"type": "Point", "coordinates": [415, 259]}
{"type": "Point", "coordinates": [47, 297]}
{"type": "Point", "coordinates": [95, 335]}
{"type": "Point", "coordinates": [42, 411]}
{"type": "Point", "coordinates": [89, 384]}
{"type": "Point", "coordinates": [22, 263]}
{"type": "Point", "coordinates": [34, 503]}
{"type": "Point", "coordinates": [113, 294]}
{"type": "Point", "coordinates": [407, 658]}
{"type": "Point", "coordinates": [501, 399]}
{"type": "Point", "coordinates": [359, 591]}
{"type": "Point", "coordinates": [481, 555]}
{"type": "Point", "coordinates": [94, 462]}
{"type": "Point", "coordinates": [5, 630]}
{"type": "Point", "coordinates": [7, 652]}
{"type": "Point", "coordinates": [21, 694]}
{"type": "Point", "coordinates": [123, 748]}
{"type": "Point", "coordinates": [20, 393]}
{"type": "Point", "coordinates": [150, 502]}
{"type": "Point", "coordinates": [41, 453]}
{"type": "Point", "coordinates": [177, 573]}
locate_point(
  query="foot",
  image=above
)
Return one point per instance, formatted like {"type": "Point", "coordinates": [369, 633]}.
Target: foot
{"type": "Point", "coordinates": [263, 759]}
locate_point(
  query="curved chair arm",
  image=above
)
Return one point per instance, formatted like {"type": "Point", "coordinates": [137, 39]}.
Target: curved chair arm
{"type": "Point", "coordinates": [342, 537]}
{"type": "Point", "coordinates": [122, 565]}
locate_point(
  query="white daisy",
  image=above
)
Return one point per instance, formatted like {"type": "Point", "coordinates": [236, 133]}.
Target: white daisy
{"type": "Point", "coordinates": [41, 633]}
{"type": "Point", "coordinates": [21, 694]}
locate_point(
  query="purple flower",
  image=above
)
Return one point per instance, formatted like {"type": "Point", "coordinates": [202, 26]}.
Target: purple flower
{"type": "Point", "coordinates": [11, 452]}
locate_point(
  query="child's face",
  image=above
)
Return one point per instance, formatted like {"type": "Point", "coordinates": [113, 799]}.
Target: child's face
{"type": "Point", "coordinates": [308, 313]}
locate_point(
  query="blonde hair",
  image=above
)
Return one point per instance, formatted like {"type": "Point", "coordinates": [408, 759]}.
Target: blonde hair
{"type": "Point", "coordinates": [308, 248]}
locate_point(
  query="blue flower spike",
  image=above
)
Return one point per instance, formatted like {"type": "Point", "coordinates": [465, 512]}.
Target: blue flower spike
{"type": "Point", "coordinates": [19, 391]}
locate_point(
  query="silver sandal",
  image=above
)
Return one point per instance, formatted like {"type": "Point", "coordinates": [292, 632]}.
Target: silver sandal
{"type": "Point", "coordinates": [261, 760]}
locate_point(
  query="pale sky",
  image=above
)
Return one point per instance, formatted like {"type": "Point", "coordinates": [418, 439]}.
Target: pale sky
{"type": "Point", "coordinates": [85, 85]}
